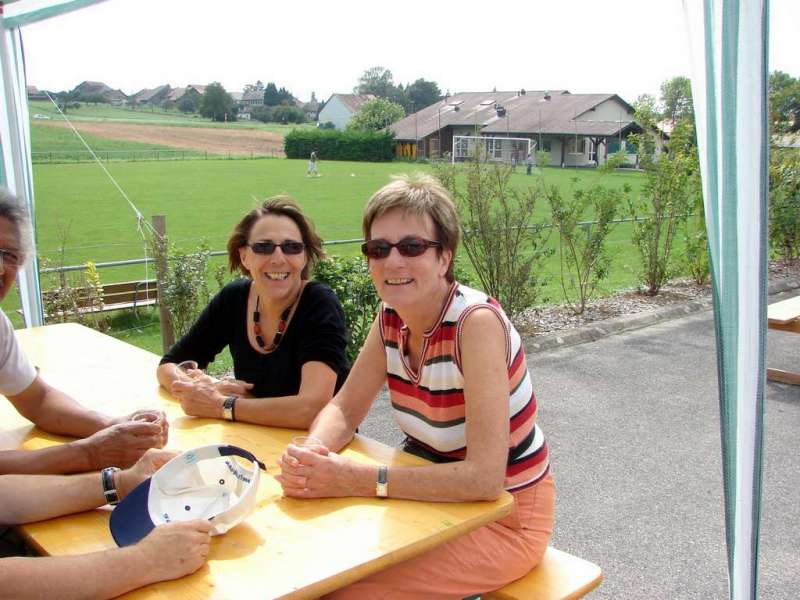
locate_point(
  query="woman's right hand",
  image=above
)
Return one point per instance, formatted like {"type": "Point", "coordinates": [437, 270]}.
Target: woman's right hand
{"type": "Point", "coordinates": [176, 549]}
{"type": "Point", "coordinates": [228, 386]}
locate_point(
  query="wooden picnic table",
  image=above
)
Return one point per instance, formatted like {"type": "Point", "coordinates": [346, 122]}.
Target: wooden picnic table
{"type": "Point", "coordinates": [287, 548]}
{"type": "Point", "coordinates": [784, 316]}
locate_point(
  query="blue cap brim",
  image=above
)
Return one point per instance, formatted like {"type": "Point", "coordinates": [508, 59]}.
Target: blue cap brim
{"type": "Point", "coordinates": [130, 520]}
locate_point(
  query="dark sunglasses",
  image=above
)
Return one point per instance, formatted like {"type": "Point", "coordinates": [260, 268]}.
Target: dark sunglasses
{"type": "Point", "coordinates": [268, 247]}
{"type": "Point", "coordinates": [408, 246]}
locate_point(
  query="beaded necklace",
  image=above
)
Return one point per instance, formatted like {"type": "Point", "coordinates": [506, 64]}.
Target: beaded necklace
{"type": "Point", "coordinates": [281, 324]}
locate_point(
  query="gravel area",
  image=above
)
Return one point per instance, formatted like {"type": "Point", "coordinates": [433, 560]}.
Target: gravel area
{"type": "Point", "coordinates": [549, 319]}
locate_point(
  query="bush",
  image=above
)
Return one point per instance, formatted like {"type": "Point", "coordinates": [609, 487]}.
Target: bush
{"type": "Point", "coordinates": [288, 114]}
{"type": "Point", "coordinates": [784, 192]}
{"type": "Point", "coordinates": [185, 289]}
{"type": "Point", "coordinates": [369, 146]}
{"type": "Point", "coordinates": [349, 278]}
{"type": "Point", "coordinates": [582, 248]}
{"type": "Point", "coordinates": [261, 113]}
{"type": "Point", "coordinates": [506, 248]}
{"type": "Point", "coordinates": [664, 204]}
{"type": "Point", "coordinates": [327, 125]}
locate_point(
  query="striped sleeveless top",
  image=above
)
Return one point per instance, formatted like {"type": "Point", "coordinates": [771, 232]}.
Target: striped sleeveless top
{"type": "Point", "coordinates": [429, 405]}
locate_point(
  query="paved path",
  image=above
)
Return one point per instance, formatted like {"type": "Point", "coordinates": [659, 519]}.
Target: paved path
{"type": "Point", "coordinates": [633, 423]}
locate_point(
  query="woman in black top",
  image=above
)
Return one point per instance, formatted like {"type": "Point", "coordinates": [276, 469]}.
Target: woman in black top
{"type": "Point", "coordinates": [286, 334]}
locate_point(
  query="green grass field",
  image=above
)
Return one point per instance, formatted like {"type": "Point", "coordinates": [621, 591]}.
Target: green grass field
{"type": "Point", "coordinates": [147, 116]}
{"type": "Point", "coordinates": [46, 139]}
{"type": "Point", "coordinates": [203, 199]}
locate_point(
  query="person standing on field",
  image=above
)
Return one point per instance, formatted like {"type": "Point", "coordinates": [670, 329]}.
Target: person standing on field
{"type": "Point", "coordinates": [312, 166]}
{"type": "Point", "coordinates": [528, 163]}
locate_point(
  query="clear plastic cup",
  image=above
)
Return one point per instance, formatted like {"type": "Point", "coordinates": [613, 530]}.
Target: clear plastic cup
{"type": "Point", "coordinates": [188, 365]}
{"type": "Point", "coordinates": [307, 441]}
{"type": "Point", "coordinates": [147, 416]}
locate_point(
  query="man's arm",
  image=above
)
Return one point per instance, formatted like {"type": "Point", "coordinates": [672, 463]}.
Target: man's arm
{"type": "Point", "coordinates": [98, 575]}
{"type": "Point", "coordinates": [168, 552]}
{"type": "Point", "coordinates": [108, 440]}
{"type": "Point", "coordinates": [63, 458]}
{"type": "Point", "coordinates": [56, 412]}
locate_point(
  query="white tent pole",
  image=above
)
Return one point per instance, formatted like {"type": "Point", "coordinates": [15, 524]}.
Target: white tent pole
{"type": "Point", "coordinates": [16, 173]}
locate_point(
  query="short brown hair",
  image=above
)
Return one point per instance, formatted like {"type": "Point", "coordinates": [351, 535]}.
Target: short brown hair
{"type": "Point", "coordinates": [283, 206]}
{"type": "Point", "coordinates": [419, 194]}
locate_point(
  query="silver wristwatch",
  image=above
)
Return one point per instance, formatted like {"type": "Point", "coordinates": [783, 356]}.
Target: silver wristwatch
{"type": "Point", "coordinates": [229, 408]}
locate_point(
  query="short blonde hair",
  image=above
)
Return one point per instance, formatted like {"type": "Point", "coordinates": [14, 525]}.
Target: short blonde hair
{"type": "Point", "coordinates": [419, 194]}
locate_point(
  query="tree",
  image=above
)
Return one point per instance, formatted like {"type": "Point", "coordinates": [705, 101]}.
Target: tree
{"type": "Point", "coordinates": [67, 100]}
{"type": "Point", "coordinates": [376, 115]}
{"type": "Point", "coordinates": [506, 246]}
{"type": "Point", "coordinates": [275, 97]}
{"type": "Point", "coordinates": [676, 99]}
{"type": "Point", "coordinates": [187, 104]}
{"type": "Point", "coordinates": [217, 104]}
{"type": "Point", "coordinates": [271, 95]}
{"type": "Point", "coordinates": [423, 93]}
{"type": "Point", "coordinates": [376, 81]}
{"type": "Point", "coordinates": [288, 114]}
{"type": "Point", "coordinates": [258, 86]}
{"type": "Point", "coordinates": [784, 102]}
{"type": "Point", "coordinates": [261, 113]}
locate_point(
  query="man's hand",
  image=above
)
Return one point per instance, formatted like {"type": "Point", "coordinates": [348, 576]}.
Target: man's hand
{"type": "Point", "coordinates": [150, 416]}
{"type": "Point", "coordinates": [176, 549]}
{"type": "Point", "coordinates": [199, 398]}
{"type": "Point", "coordinates": [120, 445]}
{"type": "Point", "coordinates": [151, 462]}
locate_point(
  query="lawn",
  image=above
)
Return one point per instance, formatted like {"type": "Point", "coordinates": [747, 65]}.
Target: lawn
{"type": "Point", "coordinates": [156, 116]}
{"type": "Point", "coordinates": [203, 199]}
{"type": "Point", "coordinates": [47, 142]}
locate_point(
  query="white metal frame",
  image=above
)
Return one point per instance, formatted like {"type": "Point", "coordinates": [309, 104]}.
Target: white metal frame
{"type": "Point", "coordinates": [489, 143]}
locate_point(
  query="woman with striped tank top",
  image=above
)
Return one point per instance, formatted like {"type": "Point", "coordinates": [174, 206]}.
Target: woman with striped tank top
{"type": "Point", "coordinates": [460, 390]}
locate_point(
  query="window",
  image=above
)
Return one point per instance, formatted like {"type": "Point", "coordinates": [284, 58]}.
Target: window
{"type": "Point", "coordinates": [494, 148]}
{"type": "Point", "coordinates": [461, 149]}
{"type": "Point", "coordinates": [576, 146]}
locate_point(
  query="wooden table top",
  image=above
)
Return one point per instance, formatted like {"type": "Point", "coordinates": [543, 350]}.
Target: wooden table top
{"type": "Point", "coordinates": [785, 311]}
{"type": "Point", "coordinates": [287, 548]}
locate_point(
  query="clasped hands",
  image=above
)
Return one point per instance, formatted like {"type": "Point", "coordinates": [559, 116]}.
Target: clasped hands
{"type": "Point", "coordinates": [315, 472]}
{"type": "Point", "coordinates": [201, 395]}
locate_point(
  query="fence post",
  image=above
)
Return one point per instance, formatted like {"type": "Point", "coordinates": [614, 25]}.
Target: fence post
{"type": "Point", "coordinates": [161, 248]}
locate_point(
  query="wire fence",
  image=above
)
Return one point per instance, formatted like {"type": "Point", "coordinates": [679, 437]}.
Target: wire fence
{"type": "Point", "coordinates": [78, 156]}
{"type": "Point", "coordinates": [215, 253]}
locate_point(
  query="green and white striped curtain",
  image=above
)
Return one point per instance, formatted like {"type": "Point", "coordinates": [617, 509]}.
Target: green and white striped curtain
{"type": "Point", "coordinates": [729, 87]}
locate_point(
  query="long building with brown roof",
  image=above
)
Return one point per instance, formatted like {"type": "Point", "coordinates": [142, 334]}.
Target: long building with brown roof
{"type": "Point", "coordinates": [576, 129]}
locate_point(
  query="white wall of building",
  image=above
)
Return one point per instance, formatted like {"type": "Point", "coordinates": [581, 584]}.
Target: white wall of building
{"type": "Point", "coordinates": [610, 110]}
{"type": "Point", "coordinates": [336, 112]}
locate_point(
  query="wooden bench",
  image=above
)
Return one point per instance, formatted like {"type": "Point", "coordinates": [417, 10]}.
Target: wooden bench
{"type": "Point", "coordinates": [116, 296]}
{"type": "Point", "coordinates": [784, 316]}
{"type": "Point", "coordinates": [560, 576]}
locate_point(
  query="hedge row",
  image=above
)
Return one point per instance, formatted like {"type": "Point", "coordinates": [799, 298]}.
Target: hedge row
{"type": "Point", "coordinates": [370, 146]}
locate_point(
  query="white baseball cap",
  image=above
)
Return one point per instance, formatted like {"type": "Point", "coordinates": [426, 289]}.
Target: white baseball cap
{"type": "Point", "coordinates": [203, 483]}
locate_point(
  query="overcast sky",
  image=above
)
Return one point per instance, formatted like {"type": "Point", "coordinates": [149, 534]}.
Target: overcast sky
{"type": "Point", "coordinates": [628, 47]}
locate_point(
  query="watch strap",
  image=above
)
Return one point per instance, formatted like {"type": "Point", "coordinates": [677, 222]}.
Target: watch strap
{"type": "Point", "coordinates": [229, 408]}
{"type": "Point", "coordinates": [109, 488]}
{"type": "Point", "coordinates": [382, 485]}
